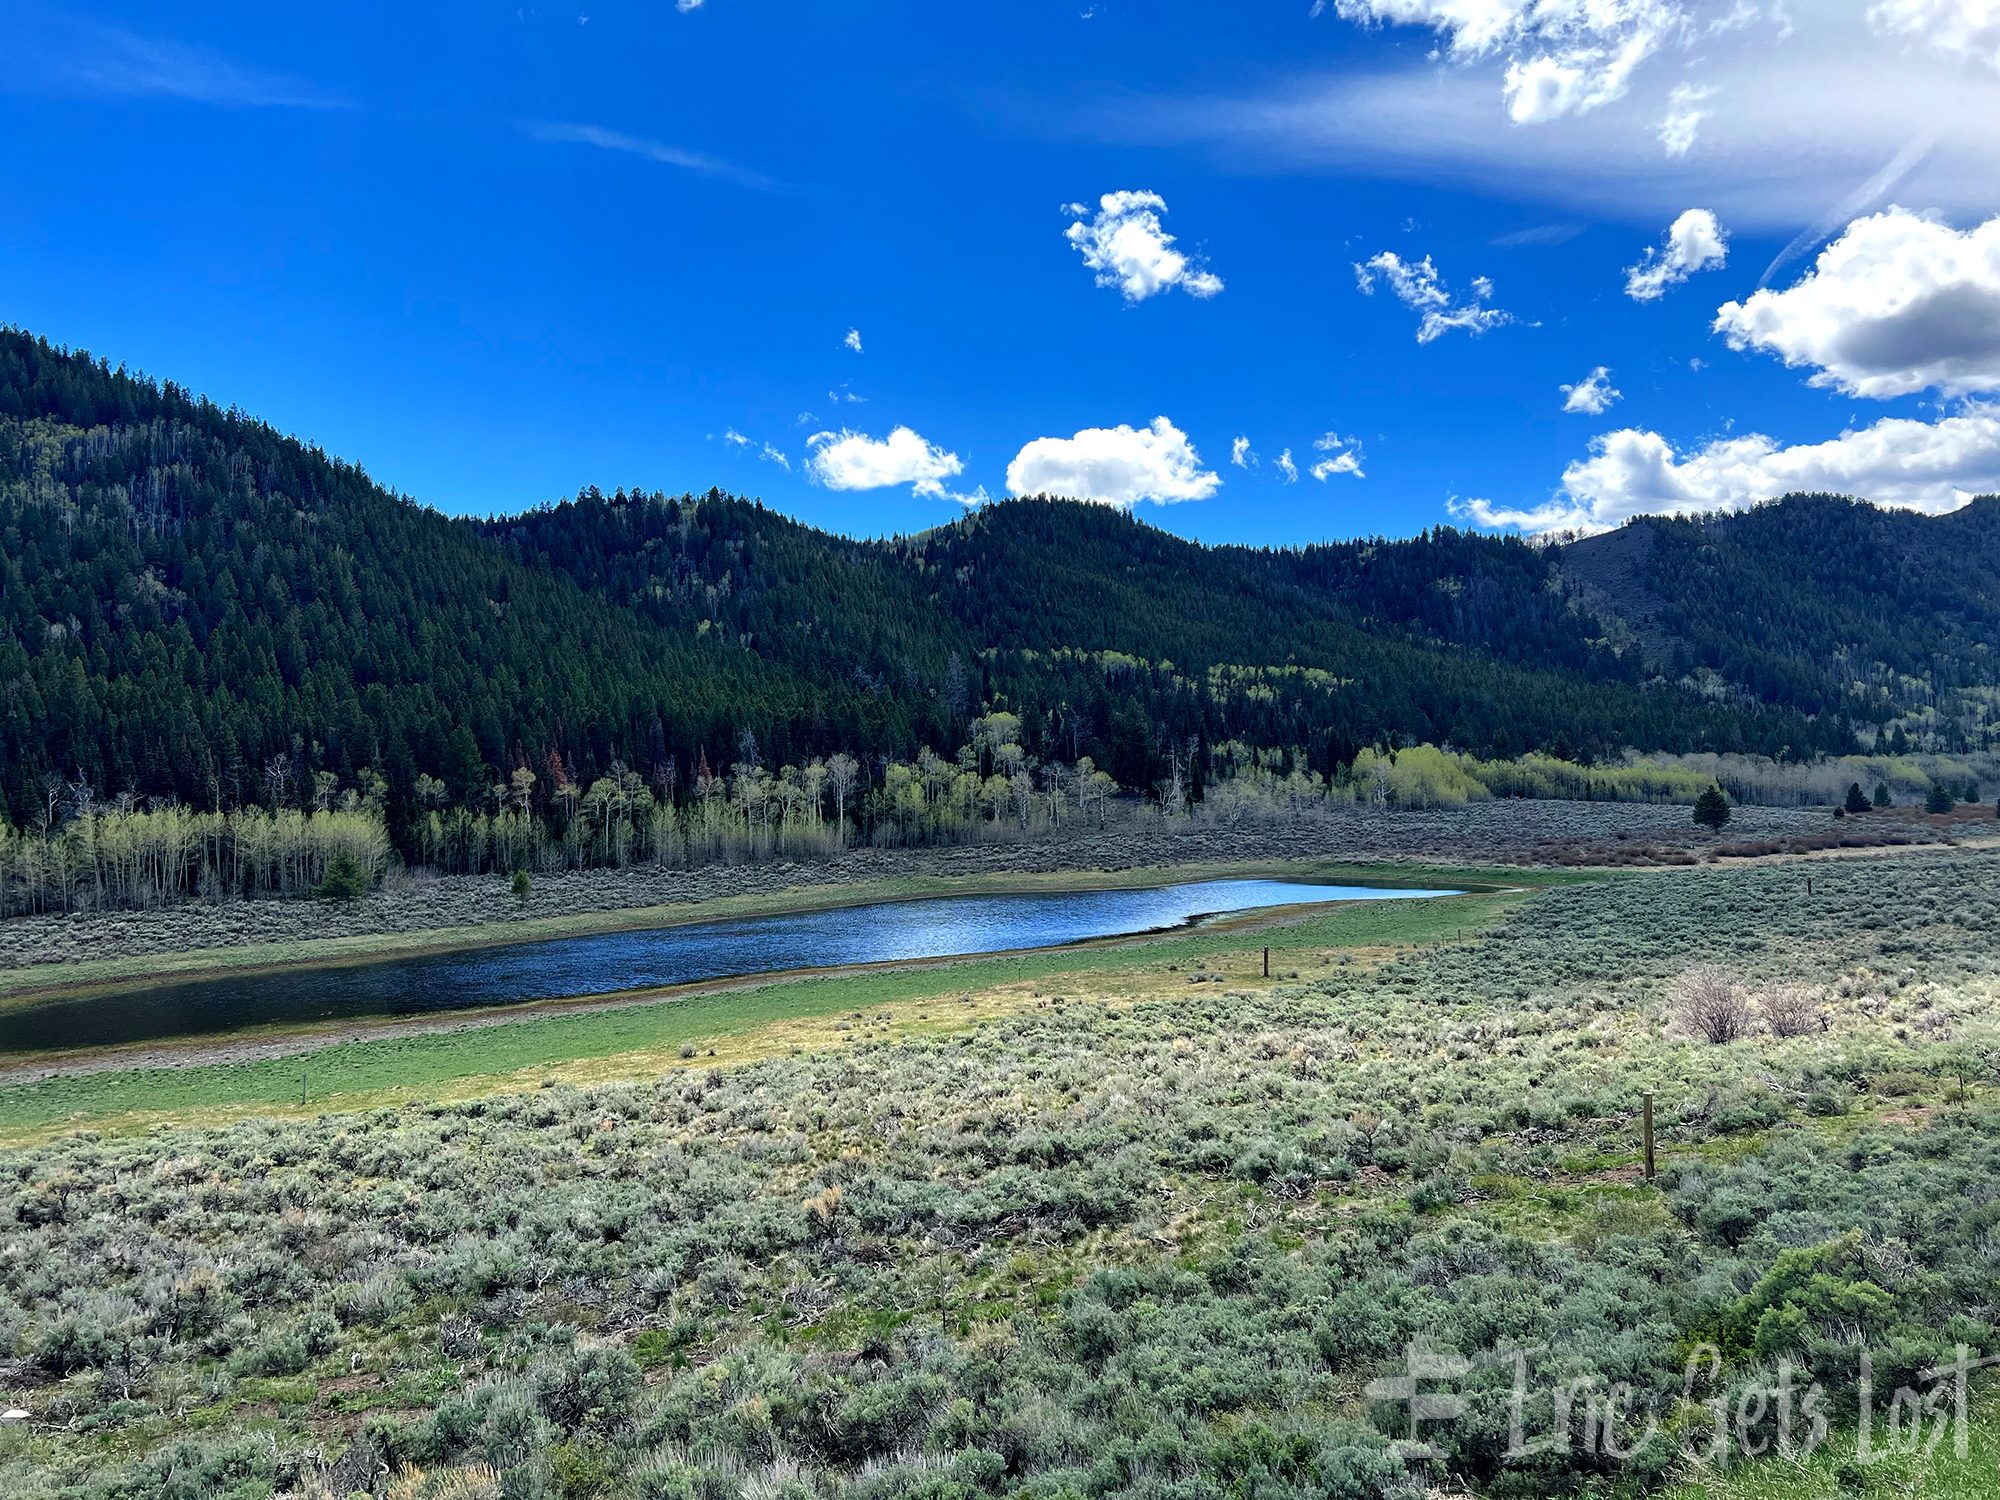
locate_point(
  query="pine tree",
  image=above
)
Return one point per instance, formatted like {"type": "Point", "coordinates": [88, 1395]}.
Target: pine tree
{"type": "Point", "coordinates": [1882, 797]}
{"type": "Point", "coordinates": [1711, 809]}
{"type": "Point", "coordinates": [345, 880]}
{"type": "Point", "coordinates": [1857, 802]}
{"type": "Point", "coordinates": [1939, 799]}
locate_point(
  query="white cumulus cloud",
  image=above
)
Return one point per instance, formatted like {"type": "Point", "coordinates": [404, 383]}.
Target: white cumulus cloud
{"type": "Point", "coordinates": [1287, 468]}
{"type": "Point", "coordinates": [853, 340]}
{"type": "Point", "coordinates": [1927, 466]}
{"type": "Point", "coordinates": [1898, 304]}
{"type": "Point", "coordinates": [854, 461]}
{"type": "Point", "coordinates": [1240, 454]}
{"type": "Point", "coordinates": [1117, 465]}
{"type": "Point", "coordinates": [1591, 396]}
{"type": "Point", "coordinates": [1125, 245]}
{"type": "Point", "coordinates": [1343, 456]}
{"type": "Point", "coordinates": [1418, 286]}
{"type": "Point", "coordinates": [1694, 242]}
{"type": "Point", "coordinates": [1563, 57]}
{"type": "Point", "coordinates": [772, 455]}
{"type": "Point", "coordinates": [1957, 28]}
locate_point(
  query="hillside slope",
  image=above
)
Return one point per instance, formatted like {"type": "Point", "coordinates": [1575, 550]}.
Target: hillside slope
{"type": "Point", "coordinates": [1817, 602]}
{"type": "Point", "coordinates": [193, 605]}
{"type": "Point", "coordinates": [1074, 614]}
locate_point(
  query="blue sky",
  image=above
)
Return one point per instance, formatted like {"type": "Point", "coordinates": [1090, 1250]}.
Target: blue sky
{"type": "Point", "coordinates": [493, 252]}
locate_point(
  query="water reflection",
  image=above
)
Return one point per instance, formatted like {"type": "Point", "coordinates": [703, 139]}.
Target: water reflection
{"type": "Point", "coordinates": [608, 962]}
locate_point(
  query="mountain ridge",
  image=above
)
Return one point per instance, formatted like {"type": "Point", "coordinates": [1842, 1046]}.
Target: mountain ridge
{"type": "Point", "coordinates": [195, 606]}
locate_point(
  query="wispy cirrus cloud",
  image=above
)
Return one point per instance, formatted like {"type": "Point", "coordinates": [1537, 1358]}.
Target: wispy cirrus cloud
{"type": "Point", "coordinates": [557, 132]}
{"type": "Point", "coordinates": [1770, 125]}
{"type": "Point", "coordinates": [86, 57]}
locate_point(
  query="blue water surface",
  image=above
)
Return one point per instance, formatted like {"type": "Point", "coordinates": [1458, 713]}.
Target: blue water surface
{"type": "Point", "coordinates": [605, 963]}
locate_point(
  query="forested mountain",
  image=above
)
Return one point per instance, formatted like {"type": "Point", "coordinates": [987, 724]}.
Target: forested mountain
{"type": "Point", "coordinates": [192, 605]}
{"type": "Point", "coordinates": [1119, 637]}
{"type": "Point", "coordinates": [1820, 603]}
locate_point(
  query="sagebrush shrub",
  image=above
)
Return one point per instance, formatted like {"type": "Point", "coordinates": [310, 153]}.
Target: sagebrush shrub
{"type": "Point", "coordinates": [1709, 1003]}
{"type": "Point", "coordinates": [1791, 1010]}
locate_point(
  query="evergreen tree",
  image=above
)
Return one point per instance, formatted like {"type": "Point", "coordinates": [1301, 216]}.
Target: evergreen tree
{"type": "Point", "coordinates": [1857, 801]}
{"type": "Point", "coordinates": [1882, 797]}
{"type": "Point", "coordinates": [345, 880]}
{"type": "Point", "coordinates": [1711, 809]}
{"type": "Point", "coordinates": [1939, 799]}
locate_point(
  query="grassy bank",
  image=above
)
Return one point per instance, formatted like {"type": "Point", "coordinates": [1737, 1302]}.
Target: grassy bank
{"type": "Point", "coordinates": [739, 1023]}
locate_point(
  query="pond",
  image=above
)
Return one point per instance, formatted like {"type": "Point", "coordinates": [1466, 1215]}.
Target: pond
{"type": "Point", "coordinates": [606, 963]}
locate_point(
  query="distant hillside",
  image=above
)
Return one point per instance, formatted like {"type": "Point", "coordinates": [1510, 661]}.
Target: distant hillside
{"type": "Point", "coordinates": [1088, 622]}
{"type": "Point", "coordinates": [194, 605]}
{"type": "Point", "coordinates": [1819, 603]}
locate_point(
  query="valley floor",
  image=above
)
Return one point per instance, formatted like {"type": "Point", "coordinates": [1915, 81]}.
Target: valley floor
{"type": "Point", "coordinates": [1112, 1222]}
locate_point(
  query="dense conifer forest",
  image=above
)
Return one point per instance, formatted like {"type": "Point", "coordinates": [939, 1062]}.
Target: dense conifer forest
{"type": "Point", "coordinates": [200, 610]}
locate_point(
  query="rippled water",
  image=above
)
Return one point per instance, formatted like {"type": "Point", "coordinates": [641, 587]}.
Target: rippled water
{"type": "Point", "coordinates": [605, 963]}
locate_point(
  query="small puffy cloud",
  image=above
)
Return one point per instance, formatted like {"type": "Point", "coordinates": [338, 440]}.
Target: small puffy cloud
{"type": "Point", "coordinates": [1125, 245]}
{"type": "Point", "coordinates": [1287, 468]}
{"type": "Point", "coordinates": [1117, 465]}
{"type": "Point", "coordinates": [1684, 117]}
{"type": "Point", "coordinates": [854, 461]}
{"type": "Point", "coordinates": [844, 394]}
{"type": "Point", "coordinates": [1591, 396]}
{"type": "Point", "coordinates": [1695, 242]}
{"type": "Point", "coordinates": [1343, 456]}
{"type": "Point", "coordinates": [1563, 58]}
{"type": "Point", "coordinates": [1932, 467]}
{"type": "Point", "coordinates": [1240, 454]}
{"type": "Point", "coordinates": [736, 438]}
{"type": "Point", "coordinates": [853, 340]}
{"type": "Point", "coordinates": [684, 6]}
{"type": "Point", "coordinates": [1899, 303]}
{"type": "Point", "coordinates": [771, 455]}
{"type": "Point", "coordinates": [1417, 286]}
{"type": "Point", "coordinates": [1956, 28]}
